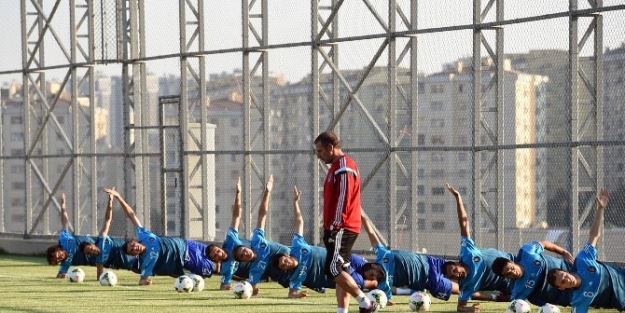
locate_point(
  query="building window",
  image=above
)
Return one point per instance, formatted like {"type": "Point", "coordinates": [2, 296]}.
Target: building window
{"type": "Point", "coordinates": [420, 190]}
{"type": "Point", "coordinates": [233, 157]}
{"type": "Point", "coordinates": [438, 225]}
{"type": "Point", "coordinates": [234, 122]}
{"type": "Point", "coordinates": [437, 88]}
{"type": "Point", "coordinates": [61, 119]}
{"type": "Point", "coordinates": [438, 173]}
{"type": "Point", "coordinates": [234, 140]}
{"type": "Point", "coordinates": [17, 202]}
{"type": "Point", "coordinates": [437, 123]}
{"type": "Point", "coordinates": [17, 152]}
{"type": "Point", "coordinates": [462, 173]}
{"type": "Point", "coordinates": [18, 218]}
{"type": "Point", "coordinates": [461, 140]}
{"type": "Point", "coordinates": [437, 140]}
{"type": "Point", "coordinates": [438, 157]}
{"type": "Point", "coordinates": [462, 190]}
{"type": "Point", "coordinates": [438, 191]}
{"type": "Point", "coordinates": [19, 136]}
{"type": "Point", "coordinates": [18, 185]}
{"type": "Point", "coordinates": [462, 156]}
{"type": "Point", "coordinates": [17, 169]}
{"type": "Point", "coordinates": [438, 207]}
{"type": "Point", "coordinates": [421, 88]}
{"type": "Point", "coordinates": [436, 106]}
{"type": "Point", "coordinates": [421, 224]}
{"type": "Point", "coordinates": [421, 173]}
{"type": "Point", "coordinates": [421, 139]}
{"type": "Point", "coordinates": [234, 174]}
{"type": "Point", "coordinates": [421, 207]}
{"type": "Point", "coordinates": [17, 120]}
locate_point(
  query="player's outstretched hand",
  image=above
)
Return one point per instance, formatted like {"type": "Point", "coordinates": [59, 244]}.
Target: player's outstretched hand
{"type": "Point", "coordinates": [568, 257]}
{"type": "Point", "coordinates": [112, 192]}
{"type": "Point", "coordinates": [302, 294]}
{"type": "Point", "coordinates": [296, 194]}
{"type": "Point", "coordinates": [269, 184]}
{"type": "Point", "coordinates": [225, 287]}
{"type": "Point", "coordinates": [602, 198]}
{"type": "Point", "coordinates": [390, 303]}
{"type": "Point", "coordinates": [452, 189]}
{"type": "Point", "coordinates": [255, 291]}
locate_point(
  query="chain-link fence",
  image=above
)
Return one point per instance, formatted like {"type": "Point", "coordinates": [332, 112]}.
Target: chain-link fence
{"type": "Point", "coordinates": [517, 104]}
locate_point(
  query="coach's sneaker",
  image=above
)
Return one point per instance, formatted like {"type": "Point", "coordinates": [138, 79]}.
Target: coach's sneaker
{"type": "Point", "coordinates": [374, 308]}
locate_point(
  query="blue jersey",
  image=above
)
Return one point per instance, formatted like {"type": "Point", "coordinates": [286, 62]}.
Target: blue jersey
{"type": "Point", "coordinates": [112, 255]}
{"type": "Point", "coordinates": [479, 273]}
{"type": "Point", "coordinates": [310, 268]}
{"type": "Point", "coordinates": [265, 250]}
{"type": "Point", "coordinates": [70, 244]}
{"type": "Point", "coordinates": [403, 269]}
{"type": "Point", "coordinates": [355, 269]}
{"type": "Point", "coordinates": [531, 260]}
{"type": "Point", "coordinates": [229, 266]}
{"type": "Point", "coordinates": [147, 260]}
{"type": "Point", "coordinates": [611, 293]}
{"type": "Point", "coordinates": [438, 285]}
{"type": "Point", "coordinates": [594, 278]}
{"type": "Point", "coordinates": [544, 292]}
{"type": "Point", "coordinates": [171, 258]}
{"type": "Point", "coordinates": [195, 259]}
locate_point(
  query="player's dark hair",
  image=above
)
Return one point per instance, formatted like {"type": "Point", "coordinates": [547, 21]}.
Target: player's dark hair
{"type": "Point", "coordinates": [51, 255]}
{"type": "Point", "coordinates": [552, 275]}
{"type": "Point", "coordinates": [328, 138]}
{"type": "Point", "coordinates": [498, 266]}
{"type": "Point", "coordinates": [445, 267]}
{"type": "Point", "coordinates": [210, 248]}
{"type": "Point", "coordinates": [379, 270]}
{"type": "Point", "coordinates": [275, 259]}
{"type": "Point", "coordinates": [235, 253]}
{"type": "Point", "coordinates": [82, 246]}
{"type": "Point", "coordinates": [125, 246]}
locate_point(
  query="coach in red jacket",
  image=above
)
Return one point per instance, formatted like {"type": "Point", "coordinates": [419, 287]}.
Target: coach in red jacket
{"type": "Point", "coordinates": [341, 219]}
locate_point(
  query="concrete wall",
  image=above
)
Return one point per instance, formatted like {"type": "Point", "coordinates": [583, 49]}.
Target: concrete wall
{"type": "Point", "coordinates": [25, 246]}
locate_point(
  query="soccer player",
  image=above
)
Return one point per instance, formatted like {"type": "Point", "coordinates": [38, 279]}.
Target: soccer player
{"type": "Point", "coordinates": [528, 270]}
{"type": "Point", "coordinates": [261, 251]}
{"type": "Point", "coordinates": [473, 270]}
{"type": "Point", "coordinates": [305, 264]}
{"type": "Point", "coordinates": [223, 255]}
{"type": "Point", "coordinates": [66, 252]}
{"type": "Point", "coordinates": [594, 284]}
{"type": "Point", "coordinates": [405, 268]}
{"type": "Point", "coordinates": [108, 251]}
{"type": "Point", "coordinates": [341, 219]}
{"type": "Point", "coordinates": [162, 255]}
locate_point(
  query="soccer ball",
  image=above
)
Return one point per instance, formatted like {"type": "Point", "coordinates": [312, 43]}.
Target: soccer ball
{"type": "Point", "coordinates": [378, 296]}
{"type": "Point", "coordinates": [198, 282]}
{"type": "Point", "coordinates": [549, 308]}
{"type": "Point", "coordinates": [519, 306]}
{"type": "Point", "coordinates": [108, 278]}
{"type": "Point", "coordinates": [242, 290]}
{"type": "Point", "coordinates": [419, 301]}
{"type": "Point", "coordinates": [183, 284]}
{"type": "Point", "coordinates": [76, 275]}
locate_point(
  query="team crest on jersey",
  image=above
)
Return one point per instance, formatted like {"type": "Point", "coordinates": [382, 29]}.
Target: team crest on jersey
{"type": "Point", "coordinates": [151, 239]}
{"type": "Point", "coordinates": [386, 260]}
{"type": "Point", "coordinates": [476, 259]}
{"type": "Point", "coordinates": [263, 245]}
{"type": "Point", "coordinates": [537, 263]}
{"type": "Point", "coordinates": [592, 269]}
{"type": "Point", "coordinates": [304, 251]}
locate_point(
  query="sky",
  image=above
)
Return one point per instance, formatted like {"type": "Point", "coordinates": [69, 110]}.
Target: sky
{"type": "Point", "coordinates": [289, 21]}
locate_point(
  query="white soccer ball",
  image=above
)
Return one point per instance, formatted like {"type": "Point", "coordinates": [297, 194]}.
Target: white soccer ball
{"type": "Point", "coordinates": [108, 278]}
{"type": "Point", "coordinates": [419, 301]}
{"type": "Point", "coordinates": [198, 282]}
{"type": "Point", "coordinates": [519, 306]}
{"type": "Point", "coordinates": [76, 275]}
{"type": "Point", "coordinates": [242, 290]}
{"type": "Point", "coordinates": [183, 284]}
{"type": "Point", "coordinates": [378, 296]}
{"type": "Point", "coordinates": [549, 308]}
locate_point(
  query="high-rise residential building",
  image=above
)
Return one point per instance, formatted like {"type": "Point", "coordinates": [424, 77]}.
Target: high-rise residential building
{"type": "Point", "coordinates": [614, 116]}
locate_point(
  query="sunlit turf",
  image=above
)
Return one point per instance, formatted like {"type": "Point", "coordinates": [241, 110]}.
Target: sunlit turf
{"type": "Point", "coordinates": [28, 284]}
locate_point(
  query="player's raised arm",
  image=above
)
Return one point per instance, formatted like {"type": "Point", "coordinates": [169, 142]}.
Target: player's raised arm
{"type": "Point", "coordinates": [463, 221]}
{"type": "Point", "coordinates": [602, 201]}
{"type": "Point", "coordinates": [236, 207]}
{"type": "Point", "coordinates": [373, 238]}
{"type": "Point", "coordinates": [297, 214]}
{"type": "Point", "coordinates": [108, 217]}
{"type": "Point", "coordinates": [264, 204]}
{"type": "Point", "coordinates": [130, 213]}
{"type": "Point", "coordinates": [550, 246]}
{"type": "Point", "coordinates": [64, 217]}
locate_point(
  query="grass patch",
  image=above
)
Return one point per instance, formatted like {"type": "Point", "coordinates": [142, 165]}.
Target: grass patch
{"type": "Point", "coordinates": [28, 284]}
